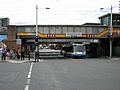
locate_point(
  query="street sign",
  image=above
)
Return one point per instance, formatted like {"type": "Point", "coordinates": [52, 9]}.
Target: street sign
{"type": "Point", "coordinates": [74, 34]}
{"type": "Point", "coordinates": [3, 37]}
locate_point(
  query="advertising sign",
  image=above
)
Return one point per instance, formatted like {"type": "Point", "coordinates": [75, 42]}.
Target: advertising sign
{"type": "Point", "coordinates": [3, 37]}
{"type": "Point", "coordinates": [74, 34]}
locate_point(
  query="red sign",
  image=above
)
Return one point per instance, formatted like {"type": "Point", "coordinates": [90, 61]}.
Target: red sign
{"type": "Point", "coordinates": [50, 35]}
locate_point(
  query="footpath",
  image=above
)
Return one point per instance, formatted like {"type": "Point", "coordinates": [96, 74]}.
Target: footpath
{"type": "Point", "coordinates": [17, 61]}
{"type": "Point", "coordinates": [40, 60]}
{"type": "Point", "coordinates": [108, 58]}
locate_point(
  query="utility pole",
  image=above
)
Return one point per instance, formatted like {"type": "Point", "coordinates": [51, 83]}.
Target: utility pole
{"type": "Point", "coordinates": [111, 29]}
{"type": "Point", "coordinates": [36, 20]}
{"type": "Point", "coordinates": [36, 35]}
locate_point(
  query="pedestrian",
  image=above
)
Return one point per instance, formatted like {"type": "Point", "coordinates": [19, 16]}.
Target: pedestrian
{"type": "Point", "coordinates": [18, 53]}
{"type": "Point", "coordinates": [22, 54]}
{"type": "Point", "coordinates": [0, 52]}
{"type": "Point", "coordinates": [8, 53]}
{"type": "Point", "coordinates": [29, 54]}
{"type": "Point", "coordinates": [13, 53]}
{"type": "Point", "coordinates": [4, 51]}
{"type": "Point", "coordinates": [36, 54]}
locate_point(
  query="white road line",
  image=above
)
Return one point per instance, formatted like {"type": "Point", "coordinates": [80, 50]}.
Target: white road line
{"type": "Point", "coordinates": [26, 87]}
{"type": "Point", "coordinates": [16, 62]}
{"type": "Point", "coordinates": [29, 73]}
{"type": "Point", "coordinates": [30, 70]}
{"type": "Point", "coordinates": [30, 67]}
{"type": "Point", "coordinates": [28, 81]}
{"type": "Point", "coordinates": [41, 60]}
{"type": "Point", "coordinates": [29, 77]}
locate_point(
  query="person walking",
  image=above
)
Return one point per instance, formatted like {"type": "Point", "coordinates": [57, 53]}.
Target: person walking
{"type": "Point", "coordinates": [36, 55]}
{"type": "Point", "coordinates": [4, 54]}
{"type": "Point", "coordinates": [22, 54]}
{"type": "Point", "coordinates": [18, 53]}
{"type": "Point", "coordinates": [13, 53]}
{"type": "Point", "coordinates": [29, 54]}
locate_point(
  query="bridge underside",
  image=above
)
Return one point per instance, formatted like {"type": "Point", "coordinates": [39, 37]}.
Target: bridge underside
{"type": "Point", "coordinates": [94, 46]}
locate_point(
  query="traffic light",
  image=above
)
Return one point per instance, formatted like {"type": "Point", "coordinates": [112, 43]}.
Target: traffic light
{"type": "Point", "coordinates": [110, 36]}
{"type": "Point", "coordinates": [36, 43]}
{"type": "Point", "coordinates": [36, 39]}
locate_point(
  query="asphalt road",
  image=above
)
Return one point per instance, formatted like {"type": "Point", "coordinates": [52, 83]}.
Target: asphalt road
{"type": "Point", "coordinates": [13, 75]}
{"type": "Point", "coordinates": [61, 74]}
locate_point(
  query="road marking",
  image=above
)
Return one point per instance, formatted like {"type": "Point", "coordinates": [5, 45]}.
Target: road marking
{"type": "Point", "coordinates": [41, 60]}
{"type": "Point", "coordinates": [26, 87]}
{"type": "Point", "coordinates": [16, 61]}
{"type": "Point", "coordinates": [31, 67]}
{"type": "Point", "coordinates": [29, 73]}
{"type": "Point", "coordinates": [28, 81]}
{"type": "Point", "coordinates": [29, 77]}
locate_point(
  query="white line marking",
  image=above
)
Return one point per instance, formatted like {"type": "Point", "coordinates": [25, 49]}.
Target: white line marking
{"type": "Point", "coordinates": [29, 77]}
{"type": "Point", "coordinates": [32, 64]}
{"type": "Point", "coordinates": [41, 60]}
{"type": "Point", "coordinates": [29, 73]}
{"type": "Point", "coordinates": [30, 67]}
{"type": "Point", "coordinates": [26, 87]}
{"type": "Point", "coordinates": [28, 81]}
{"type": "Point", "coordinates": [30, 70]}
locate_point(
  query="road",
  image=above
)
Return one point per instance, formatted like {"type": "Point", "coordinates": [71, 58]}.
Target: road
{"type": "Point", "coordinates": [61, 74]}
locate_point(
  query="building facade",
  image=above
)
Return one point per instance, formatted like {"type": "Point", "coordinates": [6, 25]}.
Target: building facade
{"type": "Point", "coordinates": [95, 36]}
{"type": "Point", "coordinates": [105, 19]}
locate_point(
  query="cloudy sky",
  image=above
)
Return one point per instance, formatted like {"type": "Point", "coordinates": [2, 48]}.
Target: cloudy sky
{"type": "Point", "coordinates": [61, 11]}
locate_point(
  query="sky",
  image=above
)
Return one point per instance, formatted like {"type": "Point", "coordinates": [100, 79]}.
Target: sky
{"type": "Point", "coordinates": [61, 12]}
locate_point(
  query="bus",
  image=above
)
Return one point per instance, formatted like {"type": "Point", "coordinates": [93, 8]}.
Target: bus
{"type": "Point", "coordinates": [74, 50]}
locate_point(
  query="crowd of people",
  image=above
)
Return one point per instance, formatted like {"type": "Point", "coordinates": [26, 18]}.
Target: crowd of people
{"type": "Point", "coordinates": [12, 54]}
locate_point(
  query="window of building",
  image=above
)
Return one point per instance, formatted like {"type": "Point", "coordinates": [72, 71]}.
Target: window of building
{"type": "Point", "coordinates": [58, 30]}
{"type": "Point", "coordinates": [40, 29]}
{"type": "Point", "coordinates": [20, 29]}
{"type": "Point", "coordinates": [46, 30]}
{"type": "Point", "coordinates": [65, 30]}
{"type": "Point", "coordinates": [52, 30]}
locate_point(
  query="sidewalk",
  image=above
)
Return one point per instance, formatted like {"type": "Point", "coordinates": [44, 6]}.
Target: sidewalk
{"type": "Point", "coordinates": [41, 60]}
{"type": "Point", "coordinates": [18, 61]}
{"type": "Point", "coordinates": [112, 58]}
{"type": "Point", "coordinates": [105, 58]}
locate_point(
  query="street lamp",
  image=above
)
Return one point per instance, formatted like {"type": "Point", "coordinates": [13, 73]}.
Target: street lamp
{"type": "Point", "coordinates": [36, 35]}
{"type": "Point", "coordinates": [37, 19]}
{"type": "Point", "coordinates": [111, 29]}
